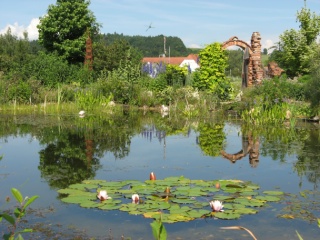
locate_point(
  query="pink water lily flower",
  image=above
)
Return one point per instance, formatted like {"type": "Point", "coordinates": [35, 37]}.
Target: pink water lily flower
{"type": "Point", "coordinates": [103, 195]}
{"type": "Point", "coordinates": [216, 206]}
{"type": "Point", "coordinates": [135, 198]}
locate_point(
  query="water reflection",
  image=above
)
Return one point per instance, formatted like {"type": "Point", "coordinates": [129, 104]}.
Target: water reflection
{"type": "Point", "coordinates": [68, 159]}
{"type": "Point", "coordinates": [250, 145]}
{"type": "Point", "coordinates": [72, 149]}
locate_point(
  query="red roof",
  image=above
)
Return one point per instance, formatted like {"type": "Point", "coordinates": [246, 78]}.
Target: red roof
{"type": "Point", "coordinates": [170, 60]}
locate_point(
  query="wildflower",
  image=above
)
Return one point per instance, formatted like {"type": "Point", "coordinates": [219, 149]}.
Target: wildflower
{"type": "Point", "coordinates": [216, 206]}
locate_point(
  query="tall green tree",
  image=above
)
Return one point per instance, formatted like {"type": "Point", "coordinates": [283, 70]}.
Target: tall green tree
{"type": "Point", "coordinates": [64, 28]}
{"type": "Point", "coordinates": [211, 77]}
{"type": "Point", "coordinates": [297, 46]}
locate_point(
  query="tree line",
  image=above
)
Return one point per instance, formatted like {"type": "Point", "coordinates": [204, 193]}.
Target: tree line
{"type": "Point", "coordinates": [29, 70]}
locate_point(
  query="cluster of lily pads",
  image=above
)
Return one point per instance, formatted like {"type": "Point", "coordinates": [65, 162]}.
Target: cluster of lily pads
{"type": "Point", "coordinates": [173, 199]}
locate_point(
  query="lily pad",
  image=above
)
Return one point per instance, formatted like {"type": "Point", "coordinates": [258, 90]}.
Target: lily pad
{"type": "Point", "coordinates": [268, 198]}
{"type": "Point", "coordinates": [226, 215]}
{"type": "Point", "coordinates": [179, 199]}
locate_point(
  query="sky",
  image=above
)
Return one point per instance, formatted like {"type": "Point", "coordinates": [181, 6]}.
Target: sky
{"type": "Point", "coordinates": [198, 23]}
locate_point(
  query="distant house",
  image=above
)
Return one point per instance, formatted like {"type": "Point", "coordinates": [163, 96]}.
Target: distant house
{"type": "Point", "coordinates": [191, 60]}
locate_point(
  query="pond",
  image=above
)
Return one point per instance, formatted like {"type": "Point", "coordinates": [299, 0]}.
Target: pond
{"type": "Point", "coordinates": [42, 154]}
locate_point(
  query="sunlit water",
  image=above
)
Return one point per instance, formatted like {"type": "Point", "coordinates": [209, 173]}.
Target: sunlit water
{"type": "Point", "coordinates": [150, 150]}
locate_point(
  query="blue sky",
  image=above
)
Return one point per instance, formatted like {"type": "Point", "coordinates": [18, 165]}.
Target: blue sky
{"type": "Point", "coordinates": [197, 23]}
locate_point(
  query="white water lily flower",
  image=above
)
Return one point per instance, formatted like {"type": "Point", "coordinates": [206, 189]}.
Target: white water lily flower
{"type": "Point", "coordinates": [135, 198]}
{"type": "Point", "coordinates": [216, 206]}
{"type": "Point", "coordinates": [103, 195]}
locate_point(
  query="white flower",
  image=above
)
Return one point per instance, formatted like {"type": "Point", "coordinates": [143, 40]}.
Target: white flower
{"type": "Point", "coordinates": [216, 206]}
{"type": "Point", "coordinates": [103, 195]}
{"type": "Point", "coordinates": [135, 198]}
{"type": "Point", "coordinates": [82, 113]}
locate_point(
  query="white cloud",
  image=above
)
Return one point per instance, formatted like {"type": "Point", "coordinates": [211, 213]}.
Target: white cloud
{"type": "Point", "coordinates": [18, 30]}
{"type": "Point", "coordinates": [268, 43]}
{"type": "Point", "coordinates": [194, 45]}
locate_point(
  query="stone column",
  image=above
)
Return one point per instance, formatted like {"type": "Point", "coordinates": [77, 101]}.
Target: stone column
{"type": "Point", "coordinates": [257, 69]}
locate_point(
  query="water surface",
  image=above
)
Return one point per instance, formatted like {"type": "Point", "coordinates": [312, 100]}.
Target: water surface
{"type": "Point", "coordinates": [41, 154]}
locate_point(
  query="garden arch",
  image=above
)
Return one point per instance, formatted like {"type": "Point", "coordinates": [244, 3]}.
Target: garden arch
{"type": "Point", "coordinates": [252, 71]}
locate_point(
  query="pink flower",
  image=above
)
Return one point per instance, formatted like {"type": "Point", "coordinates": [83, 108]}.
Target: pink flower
{"type": "Point", "coordinates": [135, 198]}
{"type": "Point", "coordinates": [103, 195]}
{"type": "Point", "coordinates": [216, 206]}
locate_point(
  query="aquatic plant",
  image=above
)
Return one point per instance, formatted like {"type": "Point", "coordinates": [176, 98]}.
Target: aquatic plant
{"type": "Point", "coordinates": [19, 212]}
{"type": "Point", "coordinates": [158, 230]}
{"type": "Point", "coordinates": [173, 199]}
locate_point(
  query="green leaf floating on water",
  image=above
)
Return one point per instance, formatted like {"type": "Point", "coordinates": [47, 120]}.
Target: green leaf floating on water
{"type": "Point", "coordinates": [276, 193]}
{"type": "Point", "coordinates": [269, 198]}
{"type": "Point", "coordinates": [226, 215]}
{"type": "Point", "coordinates": [174, 199]}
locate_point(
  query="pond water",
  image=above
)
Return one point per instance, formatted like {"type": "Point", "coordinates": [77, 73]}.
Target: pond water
{"type": "Point", "coordinates": [42, 154]}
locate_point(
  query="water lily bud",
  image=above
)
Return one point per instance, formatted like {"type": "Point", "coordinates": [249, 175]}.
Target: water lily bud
{"type": "Point", "coordinates": [152, 176]}
{"type": "Point", "coordinates": [167, 190]}
{"type": "Point", "coordinates": [218, 185]}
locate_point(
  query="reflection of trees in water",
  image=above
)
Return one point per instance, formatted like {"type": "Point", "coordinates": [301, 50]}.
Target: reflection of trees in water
{"type": "Point", "coordinates": [72, 153]}
{"type": "Point", "coordinates": [308, 163]}
{"type": "Point", "coordinates": [73, 146]}
{"type": "Point", "coordinates": [279, 142]}
{"type": "Point", "coordinates": [211, 138]}
{"type": "Point", "coordinates": [66, 160]}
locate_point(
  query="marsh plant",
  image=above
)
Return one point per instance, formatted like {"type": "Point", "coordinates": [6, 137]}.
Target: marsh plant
{"type": "Point", "coordinates": [19, 212]}
{"type": "Point", "coordinates": [88, 99]}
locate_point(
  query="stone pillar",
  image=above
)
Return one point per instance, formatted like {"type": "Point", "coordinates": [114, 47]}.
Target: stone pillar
{"type": "Point", "coordinates": [257, 70]}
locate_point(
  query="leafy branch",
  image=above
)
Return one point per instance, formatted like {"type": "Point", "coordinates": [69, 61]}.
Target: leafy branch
{"type": "Point", "coordinates": [18, 213]}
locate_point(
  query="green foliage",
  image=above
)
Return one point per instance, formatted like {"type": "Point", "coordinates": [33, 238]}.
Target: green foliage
{"type": "Point", "coordinates": [63, 28]}
{"type": "Point", "coordinates": [175, 75]}
{"type": "Point", "coordinates": [150, 46]}
{"type": "Point", "coordinates": [211, 76]}
{"type": "Point", "coordinates": [296, 46]}
{"type": "Point", "coordinates": [234, 63]}
{"type": "Point", "coordinates": [122, 82]}
{"type": "Point", "coordinates": [312, 88]}
{"type": "Point", "coordinates": [19, 92]}
{"type": "Point", "coordinates": [270, 101]}
{"type": "Point", "coordinates": [87, 99]}
{"type": "Point", "coordinates": [19, 212]}
{"type": "Point", "coordinates": [50, 69]}
{"type": "Point", "coordinates": [14, 52]}
{"type": "Point", "coordinates": [109, 57]}
{"type": "Point", "coordinates": [158, 230]}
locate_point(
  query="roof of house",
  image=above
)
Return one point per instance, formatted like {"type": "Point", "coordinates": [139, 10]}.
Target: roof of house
{"type": "Point", "coordinates": [170, 60]}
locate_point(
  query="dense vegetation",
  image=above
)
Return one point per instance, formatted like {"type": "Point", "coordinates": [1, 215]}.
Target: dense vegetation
{"type": "Point", "coordinates": [52, 70]}
{"type": "Point", "coordinates": [151, 46]}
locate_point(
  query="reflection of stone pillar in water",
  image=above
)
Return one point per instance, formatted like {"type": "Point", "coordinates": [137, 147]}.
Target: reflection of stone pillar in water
{"type": "Point", "coordinates": [254, 152]}
{"type": "Point", "coordinates": [245, 145]}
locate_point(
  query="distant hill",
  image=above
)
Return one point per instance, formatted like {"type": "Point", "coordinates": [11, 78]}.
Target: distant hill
{"type": "Point", "coordinates": [153, 46]}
